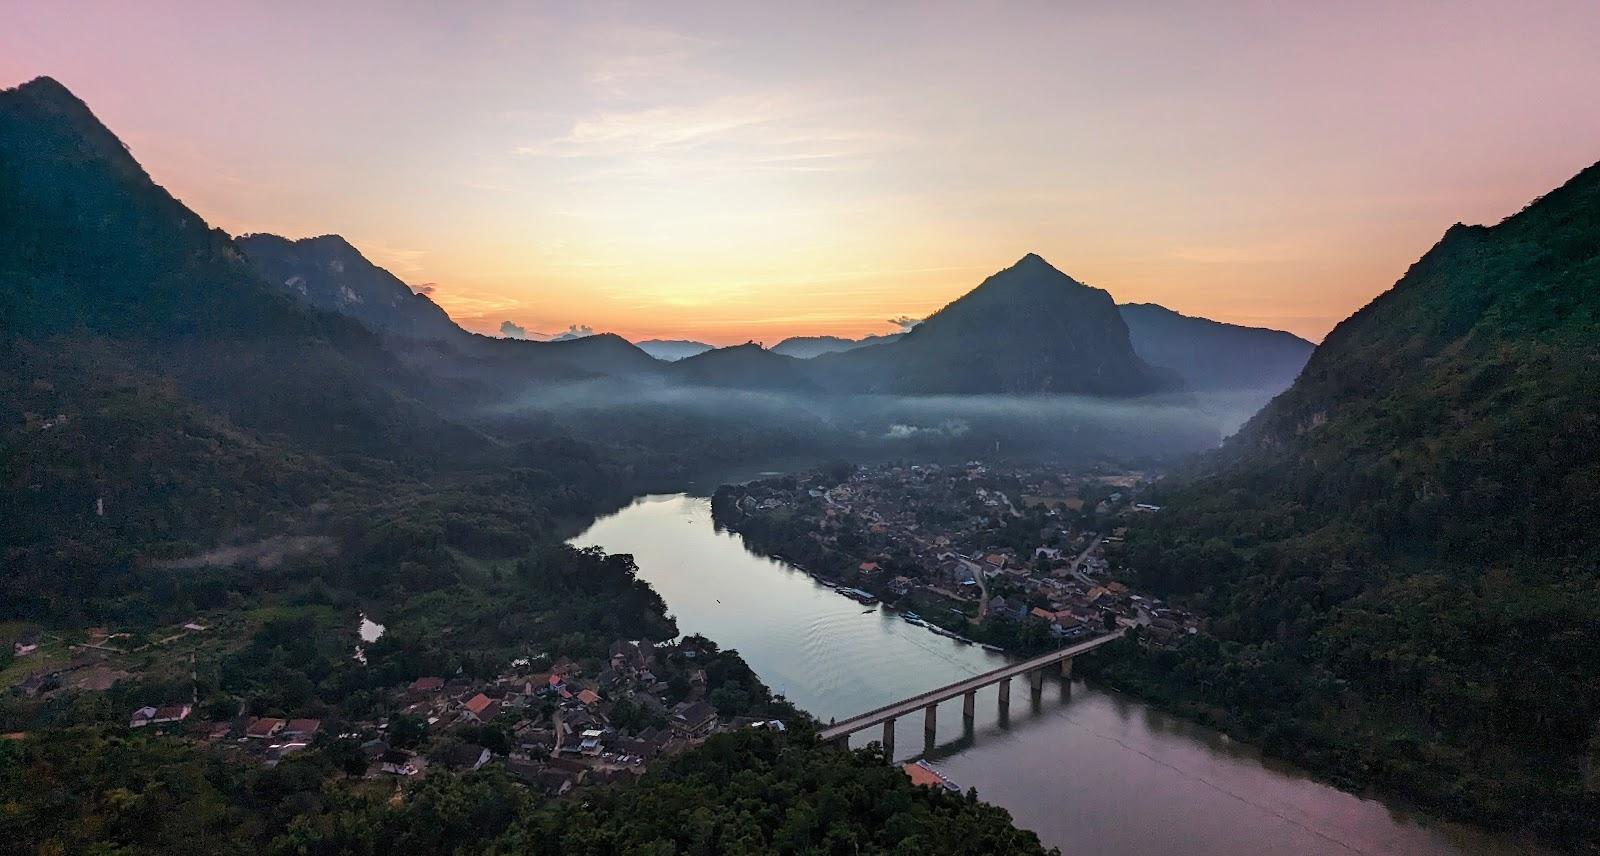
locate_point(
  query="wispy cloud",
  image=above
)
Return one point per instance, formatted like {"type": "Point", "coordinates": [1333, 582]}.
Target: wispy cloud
{"type": "Point", "coordinates": [754, 132]}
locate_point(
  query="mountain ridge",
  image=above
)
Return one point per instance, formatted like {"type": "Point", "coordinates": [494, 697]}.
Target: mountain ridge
{"type": "Point", "coordinates": [1420, 502]}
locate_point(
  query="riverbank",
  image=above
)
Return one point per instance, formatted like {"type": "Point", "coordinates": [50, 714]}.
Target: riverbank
{"type": "Point", "coordinates": [1088, 769]}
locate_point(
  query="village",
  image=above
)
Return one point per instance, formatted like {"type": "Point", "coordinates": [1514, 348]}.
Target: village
{"type": "Point", "coordinates": [1016, 558]}
{"type": "Point", "coordinates": [553, 728]}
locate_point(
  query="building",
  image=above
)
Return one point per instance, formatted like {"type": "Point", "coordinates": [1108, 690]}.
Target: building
{"type": "Point", "coordinates": [461, 756]}
{"type": "Point", "coordinates": [263, 728]}
{"type": "Point", "coordinates": [695, 718]}
{"type": "Point", "coordinates": [481, 708]}
{"type": "Point", "coordinates": [301, 729]}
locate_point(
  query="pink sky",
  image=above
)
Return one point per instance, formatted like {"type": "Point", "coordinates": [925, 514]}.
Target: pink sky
{"type": "Point", "coordinates": [736, 171]}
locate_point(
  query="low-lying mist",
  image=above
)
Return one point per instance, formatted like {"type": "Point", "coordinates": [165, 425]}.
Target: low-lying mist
{"type": "Point", "coordinates": [738, 424]}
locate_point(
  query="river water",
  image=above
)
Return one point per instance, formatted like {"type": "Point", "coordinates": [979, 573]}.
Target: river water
{"type": "Point", "coordinates": [1090, 771]}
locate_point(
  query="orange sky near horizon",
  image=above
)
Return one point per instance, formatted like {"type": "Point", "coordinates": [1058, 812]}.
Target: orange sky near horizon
{"type": "Point", "coordinates": [730, 171]}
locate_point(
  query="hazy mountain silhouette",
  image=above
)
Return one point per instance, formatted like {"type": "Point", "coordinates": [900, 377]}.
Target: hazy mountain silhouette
{"type": "Point", "coordinates": [1211, 355]}
{"type": "Point", "coordinates": [747, 366]}
{"type": "Point", "coordinates": [1028, 329]}
{"type": "Point", "coordinates": [672, 350]}
{"type": "Point", "coordinates": [806, 347]}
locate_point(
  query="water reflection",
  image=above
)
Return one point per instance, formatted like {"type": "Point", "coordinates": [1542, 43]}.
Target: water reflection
{"type": "Point", "coordinates": [1089, 770]}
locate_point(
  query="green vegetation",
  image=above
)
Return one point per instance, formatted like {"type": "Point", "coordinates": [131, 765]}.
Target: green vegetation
{"type": "Point", "coordinates": [754, 792]}
{"type": "Point", "coordinates": [1399, 556]}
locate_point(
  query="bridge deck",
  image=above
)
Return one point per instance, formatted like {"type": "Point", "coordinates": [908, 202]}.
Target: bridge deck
{"type": "Point", "coordinates": [962, 687]}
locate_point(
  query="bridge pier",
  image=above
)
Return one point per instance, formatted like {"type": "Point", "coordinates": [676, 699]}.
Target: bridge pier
{"type": "Point", "coordinates": [1036, 681]}
{"type": "Point", "coordinates": [1005, 696]}
{"type": "Point", "coordinates": [888, 740]}
{"type": "Point", "coordinates": [930, 723]}
{"type": "Point", "coordinates": [1066, 668]}
{"type": "Point", "coordinates": [969, 708]}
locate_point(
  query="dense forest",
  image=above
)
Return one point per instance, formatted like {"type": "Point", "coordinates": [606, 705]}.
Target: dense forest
{"type": "Point", "coordinates": [1399, 555]}
{"type": "Point", "coordinates": [752, 792]}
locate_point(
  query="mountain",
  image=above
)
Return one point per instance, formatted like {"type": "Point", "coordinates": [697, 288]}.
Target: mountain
{"type": "Point", "coordinates": [1211, 355]}
{"type": "Point", "coordinates": [330, 274]}
{"type": "Point", "coordinates": [1399, 555]}
{"type": "Point", "coordinates": [747, 366]}
{"type": "Point", "coordinates": [603, 353]}
{"type": "Point", "coordinates": [806, 347]}
{"type": "Point", "coordinates": [1028, 329]}
{"type": "Point", "coordinates": [671, 350]}
{"type": "Point", "coordinates": [93, 250]}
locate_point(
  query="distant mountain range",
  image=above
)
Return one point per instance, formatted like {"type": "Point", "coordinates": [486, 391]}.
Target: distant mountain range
{"type": "Point", "coordinates": [1206, 354]}
{"type": "Point", "coordinates": [672, 350]}
{"type": "Point", "coordinates": [1090, 348]}
{"type": "Point", "coordinates": [806, 347]}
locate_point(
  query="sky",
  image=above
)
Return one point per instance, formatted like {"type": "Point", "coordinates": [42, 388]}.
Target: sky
{"type": "Point", "coordinates": [749, 171]}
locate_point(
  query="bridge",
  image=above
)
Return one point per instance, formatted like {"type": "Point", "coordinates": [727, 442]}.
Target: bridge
{"type": "Point", "coordinates": [838, 733]}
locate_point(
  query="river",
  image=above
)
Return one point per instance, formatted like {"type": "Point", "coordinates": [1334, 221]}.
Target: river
{"type": "Point", "coordinates": [1090, 771]}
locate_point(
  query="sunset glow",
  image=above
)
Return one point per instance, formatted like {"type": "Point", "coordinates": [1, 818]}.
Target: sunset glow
{"type": "Point", "coordinates": [725, 173]}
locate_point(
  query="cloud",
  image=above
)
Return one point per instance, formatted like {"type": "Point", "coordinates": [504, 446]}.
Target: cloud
{"type": "Point", "coordinates": [425, 287]}
{"type": "Point", "coordinates": [905, 322]}
{"type": "Point", "coordinates": [513, 331]}
{"type": "Point", "coordinates": [947, 428]}
{"type": "Point", "coordinates": [734, 134]}
{"type": "Point", "coordinates": [575, 331]}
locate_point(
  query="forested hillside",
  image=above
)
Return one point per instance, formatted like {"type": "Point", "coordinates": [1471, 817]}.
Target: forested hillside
{"type": "Point", "coordinates": [1400, 555]}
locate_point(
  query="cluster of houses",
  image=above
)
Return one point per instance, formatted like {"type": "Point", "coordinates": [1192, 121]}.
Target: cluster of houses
{"type": "Point", "coordinates": [561, 722]}
{"type": "Point", "coordinates": [1017, 543]}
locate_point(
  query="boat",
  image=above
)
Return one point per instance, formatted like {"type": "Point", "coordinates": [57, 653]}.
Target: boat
{"type": "Point", "coordinates": [912, 619]}
{"type": "Point", "coordinates": [923, 773]}
{"type": "Point", "coordinates": [865, 597]}
{"type": "Point", "coordinates": [995, 648]}
{"type": "Point", "coordinates": [908, 615]}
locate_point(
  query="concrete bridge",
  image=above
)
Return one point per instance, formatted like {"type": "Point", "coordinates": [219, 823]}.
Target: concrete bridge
{"type": "Point", "coordinates": [839, 732]}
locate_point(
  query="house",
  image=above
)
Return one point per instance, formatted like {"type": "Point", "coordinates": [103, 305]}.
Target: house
{"type": "Point", "coordinates": [424, 686]}
{"type": "Point", "coordinates": [1042, 614]}
{"type": "Point", "coordinates": [588, 697]}
{"type": "Point", "coordinates": [557, 782]}
{"type": "Point", "coordinates": [481, 708]}
{"type": "Point", "coordinates": [170, 713]}
{"type": "Point", "coordinates": [264, 727]}
{"type": "Point", "coordinates": [867, 567]}
{"type": "Point", "coordinates": [142, 717]}
{"type": "Point", "coordinates": [461, 756]}
{"type": "Point", "coordinates": [302, 729]}
{"type": "Point", "coordinates": [396, 762]}
{"type": "Point", "coordinates": [694, 718]}
{"type": "Point", "coordinates": [25, 645]}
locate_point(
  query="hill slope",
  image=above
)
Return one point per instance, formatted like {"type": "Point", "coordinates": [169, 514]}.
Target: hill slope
{"type": "Point", "coordinates": [1211, 355]}
{"type": "Point", "coordinates": [806, 347]}
{"type": "Point", "coordinates": [747, 366]}
{"type": "Point", "coordinates": [1027, 329]}
{"type": "Point", "coordinates": [671, 350]}
{"type": "Point", "coordinates": [328, 273]}
{"type": "Point", "coordinates": [1400, 554]}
